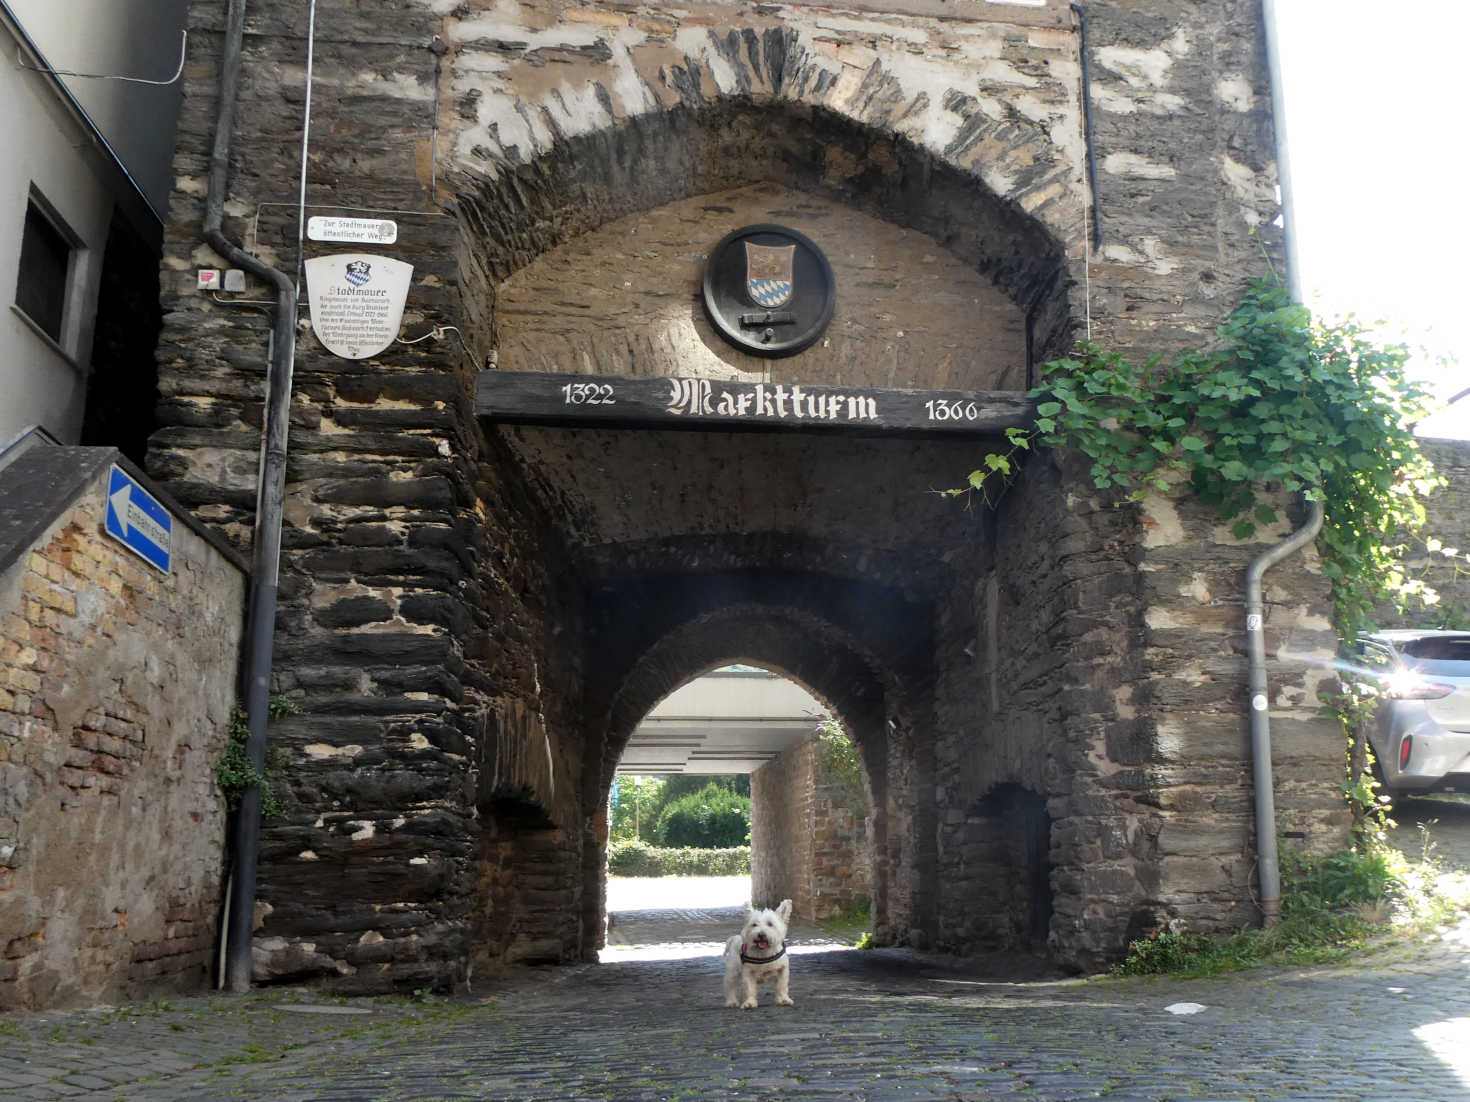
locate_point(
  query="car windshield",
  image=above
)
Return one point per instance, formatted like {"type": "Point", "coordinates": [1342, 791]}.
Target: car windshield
{"type": "Point", "coordinates": [1447, 655]}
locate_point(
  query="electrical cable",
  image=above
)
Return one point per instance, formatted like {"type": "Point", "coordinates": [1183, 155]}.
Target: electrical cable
{"type": "Point", "coordinates": [183, 52]}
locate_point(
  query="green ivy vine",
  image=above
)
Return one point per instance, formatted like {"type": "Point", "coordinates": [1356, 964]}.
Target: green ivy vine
{"type": "Point", "coordinates": [842, 765]}
{"type": "Point", "coordinates": [234, 771]}
{"type": "Point", "coordinates": [1278, 401]}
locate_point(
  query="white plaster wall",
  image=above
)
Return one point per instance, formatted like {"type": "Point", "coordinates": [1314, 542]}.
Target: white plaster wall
{"type": "Point", "coordinates": [136, 38]}
{"type": "Point", "coordinates": [47, 148]}
{"type": "Point", "coordinates": [44, 148]}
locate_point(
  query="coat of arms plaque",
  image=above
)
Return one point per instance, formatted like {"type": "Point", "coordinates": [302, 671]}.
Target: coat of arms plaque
{"type": "Point", "coordinates": [768, 290]}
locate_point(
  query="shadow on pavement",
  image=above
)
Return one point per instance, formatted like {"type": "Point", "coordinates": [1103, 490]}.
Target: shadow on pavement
{"type": "Point", "coordinates": [688, 931]}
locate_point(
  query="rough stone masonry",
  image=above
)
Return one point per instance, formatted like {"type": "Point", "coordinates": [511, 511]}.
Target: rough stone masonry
{"type": "Point", "coordinates": [474, 616]}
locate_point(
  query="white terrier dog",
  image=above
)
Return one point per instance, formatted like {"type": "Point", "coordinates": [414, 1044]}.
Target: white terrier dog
{"type": "Point", "coordinates": [758, 955]}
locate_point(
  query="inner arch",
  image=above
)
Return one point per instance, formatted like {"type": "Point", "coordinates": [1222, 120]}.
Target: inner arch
{"type": "Point", "coordinates": [829, 561]}
{"type": "Point", "coordinates": [910, 313]}
{"type": "Point", "coordinates": [514, 216]}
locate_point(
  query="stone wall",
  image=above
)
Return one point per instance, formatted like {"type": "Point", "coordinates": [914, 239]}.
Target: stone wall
{"type": "Point", "coordinates": [463, 601]}
{"type": "Point", "coordinates": [780, 831]}
{"type": "Point", "coordinates": [841, 869]}
{"type": "Point", "coordinates": [807, 843]}
{"type": "Point", "coordinates": [116, 683]}
{"type": "Point", "coordinates": [422, 586]}
{"type": "Point", "coordinates": [1446, 569]}
{"type": "Point", "coordinates": [912, 314]}
{"type": "Point", "coordinates": [998, 854]}
{"type": "Point", "coordinates": [1112, 686]}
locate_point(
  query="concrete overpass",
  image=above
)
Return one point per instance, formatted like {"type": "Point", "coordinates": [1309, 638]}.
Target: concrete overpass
{"type": "Point", "coordinates": [731, 720]}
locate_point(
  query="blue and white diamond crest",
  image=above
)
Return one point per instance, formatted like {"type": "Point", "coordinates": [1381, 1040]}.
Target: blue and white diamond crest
{"type": "Point", "coordinates": [769, 292]}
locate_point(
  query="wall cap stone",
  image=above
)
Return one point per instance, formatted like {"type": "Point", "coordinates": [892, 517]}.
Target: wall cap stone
{"type": "Point", "coordinates": [43, 482]}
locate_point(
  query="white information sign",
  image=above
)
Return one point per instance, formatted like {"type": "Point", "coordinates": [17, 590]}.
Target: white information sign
{"type": "Point", "coordinates": [373, 231]}
{"type": "Point", "coordinates": [356, 301]}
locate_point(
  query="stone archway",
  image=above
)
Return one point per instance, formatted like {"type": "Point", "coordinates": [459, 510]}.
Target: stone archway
{"type": "Point", "coordinates": [666, 528]}
{"type": "Point", "coordinates": [858, 683]}
{"type": "Point", "coordinates": [728, 159]}
{"type": "Point", "coordinates": [584, 548]}
{"type": "Point", "coordinates": [464, 608]}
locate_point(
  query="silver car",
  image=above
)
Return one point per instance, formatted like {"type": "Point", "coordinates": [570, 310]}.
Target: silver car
{"type": "Point", "coordinates": [1420, 732]}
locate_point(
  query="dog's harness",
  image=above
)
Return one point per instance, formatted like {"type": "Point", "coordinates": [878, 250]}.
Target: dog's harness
{"type": "Point", "coordinates": [747, 959]}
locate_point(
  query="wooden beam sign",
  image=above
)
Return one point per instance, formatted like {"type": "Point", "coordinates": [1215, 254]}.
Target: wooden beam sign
{"type": "Point", "coordinates": [617, 401]}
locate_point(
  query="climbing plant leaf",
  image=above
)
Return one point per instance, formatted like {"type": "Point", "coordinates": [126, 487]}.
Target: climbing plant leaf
{"type": "Point", "coordinates": [1277, 401]}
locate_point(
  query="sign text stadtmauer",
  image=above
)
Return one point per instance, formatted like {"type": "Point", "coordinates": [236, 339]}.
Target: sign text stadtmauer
{"type": "Point", "coordinates": [356, 301]}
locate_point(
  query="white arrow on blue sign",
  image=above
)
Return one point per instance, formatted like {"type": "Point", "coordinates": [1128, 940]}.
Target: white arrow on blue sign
{"type": "Point", "coordinates": [137, 521]}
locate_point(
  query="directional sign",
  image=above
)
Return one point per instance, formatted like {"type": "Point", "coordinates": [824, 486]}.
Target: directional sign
{"type": "Point", "coordinates": [374, 231]}
{"type": "Point", "coordinates": [137, 521]}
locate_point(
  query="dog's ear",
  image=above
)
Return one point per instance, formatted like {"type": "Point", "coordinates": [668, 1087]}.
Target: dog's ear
{"type": "Point", "coordinates": [784, 910]}
{"type": "Point", "coordinates": [749, 910]}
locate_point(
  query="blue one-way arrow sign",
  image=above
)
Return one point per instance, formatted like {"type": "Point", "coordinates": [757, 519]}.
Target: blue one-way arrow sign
{"type": "Point", "coordinates": [136, 520]}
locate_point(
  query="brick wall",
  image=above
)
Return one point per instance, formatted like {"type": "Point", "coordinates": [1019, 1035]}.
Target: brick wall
{"type": "Point", "coordinates": [780, 832]}
{"type": "Point", "coordinates": [807, 844]}
{"type": "Point", "coordinates": [841, 857]}
{"type": "Point", "coordinates": [115, 688]}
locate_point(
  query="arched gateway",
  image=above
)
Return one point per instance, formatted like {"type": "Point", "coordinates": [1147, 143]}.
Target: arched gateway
{"type": "Point", "coordinates": [478, 604]}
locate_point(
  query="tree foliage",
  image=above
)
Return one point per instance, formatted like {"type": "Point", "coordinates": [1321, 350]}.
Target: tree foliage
{"type": "Point", "coordinates": [712, 818]}
{"type": "Point", "coordinates": [637, 802]}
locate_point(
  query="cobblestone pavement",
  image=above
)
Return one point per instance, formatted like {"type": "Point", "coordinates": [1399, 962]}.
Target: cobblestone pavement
{"type": "Point", "coordinates": [649, 1023]}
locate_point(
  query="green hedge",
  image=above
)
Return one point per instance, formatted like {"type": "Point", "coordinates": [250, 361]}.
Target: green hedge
{"type": "Point", "coordinates": [641, 859]}
{"type": "Point", "coordinates": [712, 818]}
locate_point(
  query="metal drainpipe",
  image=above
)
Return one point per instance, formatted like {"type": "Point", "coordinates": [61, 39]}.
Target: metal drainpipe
{"type": "Point", "coordinates": [270, 496]}
{"type": "Point", "coordinates": [1084, 52]}
{"type": "Point", "coordinates": [1267, 859]}
{"type": "Point", "coordinates": [1260, 705]}
{"type": "Point", "coordinates": [1283, 151]}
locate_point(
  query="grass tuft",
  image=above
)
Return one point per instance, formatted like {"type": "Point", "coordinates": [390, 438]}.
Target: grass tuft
{"type": "Point", "coordinates": [1331, 907]}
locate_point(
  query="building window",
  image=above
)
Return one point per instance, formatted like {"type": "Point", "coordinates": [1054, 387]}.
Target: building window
{"type": "Point", "coordinates": [45, 271]}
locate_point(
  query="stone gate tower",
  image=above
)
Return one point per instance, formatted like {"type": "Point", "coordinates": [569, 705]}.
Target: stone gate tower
{"type": "Point", "coordinates": [475, 614]}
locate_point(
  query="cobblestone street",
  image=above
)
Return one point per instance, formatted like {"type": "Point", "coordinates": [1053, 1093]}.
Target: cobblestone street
{"type": "Point", "coordinates": [649, 1023]}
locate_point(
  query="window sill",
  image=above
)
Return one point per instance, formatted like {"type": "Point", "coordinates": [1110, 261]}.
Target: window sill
{"type": "Point", "coordinates": [48, 339]}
